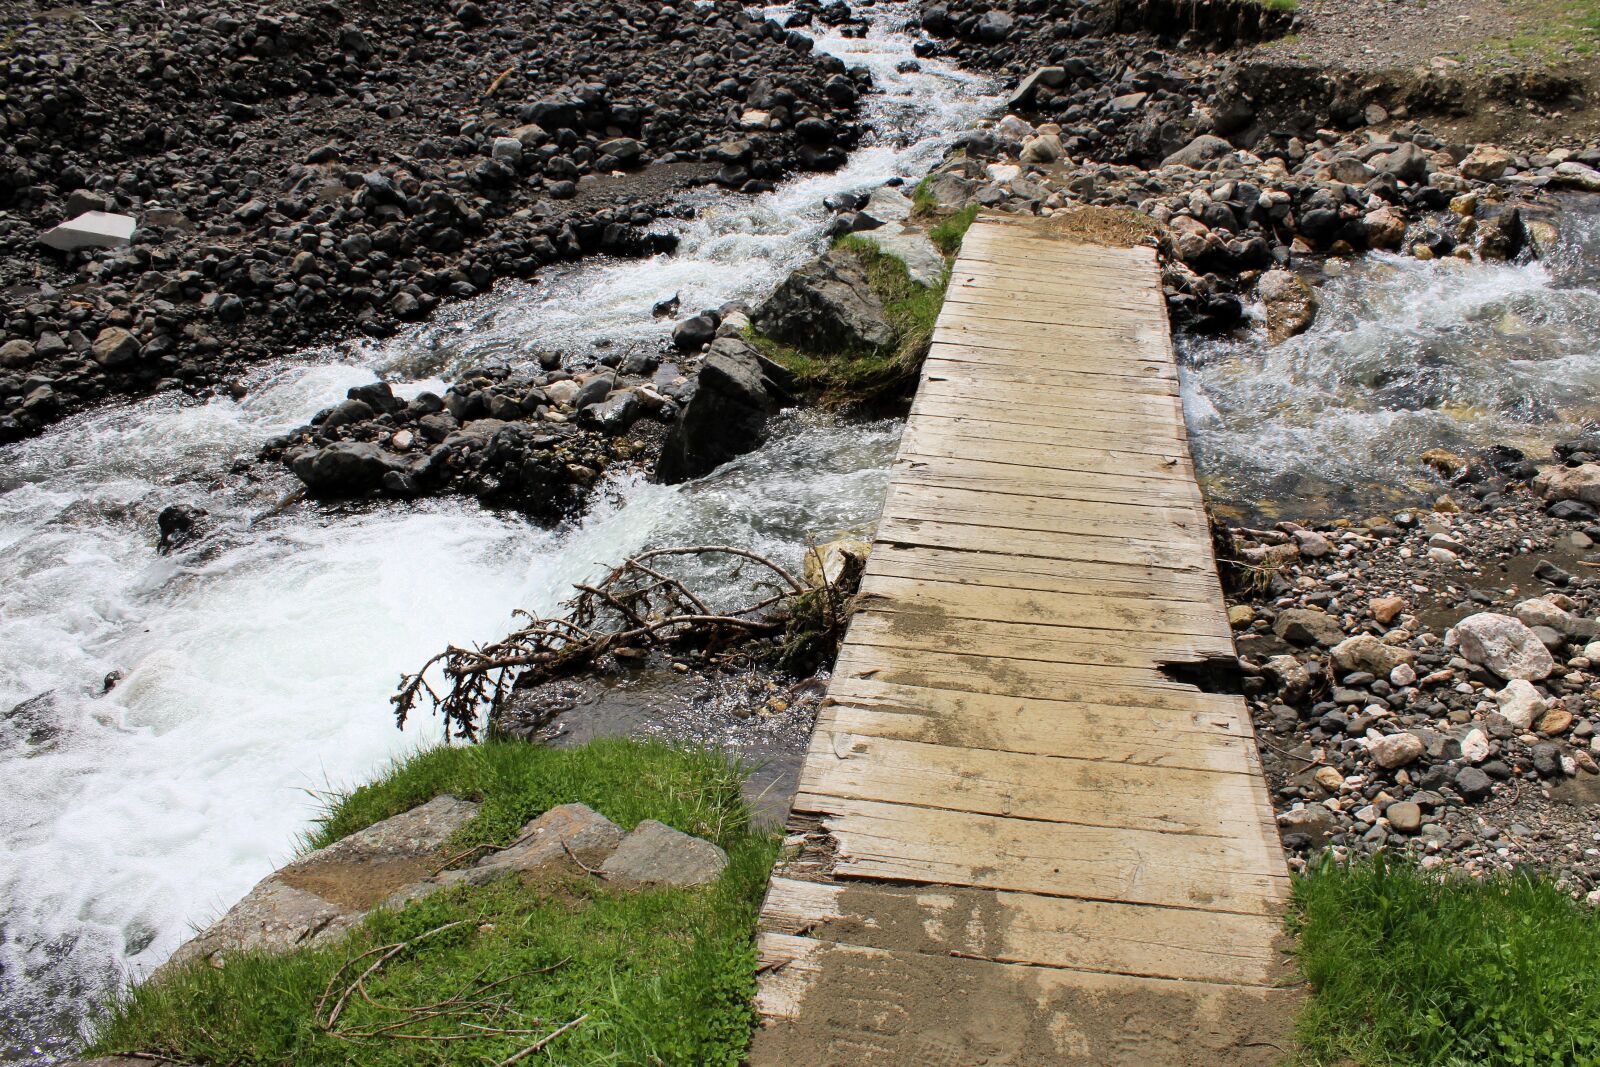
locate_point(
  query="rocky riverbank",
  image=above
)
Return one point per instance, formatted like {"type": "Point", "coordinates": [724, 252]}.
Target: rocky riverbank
{"type": "Point", "coordinates": [1429, 681]}
{"type": "Point", "coordinates": [306, 171]}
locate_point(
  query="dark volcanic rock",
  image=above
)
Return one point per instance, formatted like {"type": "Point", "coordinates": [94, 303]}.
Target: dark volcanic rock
{"type": "Point", "coordinates": [826, 305]}
{"type": "Point", "coordinates": [734, 395]}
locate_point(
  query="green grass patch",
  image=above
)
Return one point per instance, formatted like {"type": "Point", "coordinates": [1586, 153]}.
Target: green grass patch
{"type": "Point", "coordinates": [1415, 970]}
{"type": "Point", "coordinates": [664, 976]}
{"type": "Point", "coordinates": [1550, 30]}
{"type": "Point", "coordinates": [948, 234]}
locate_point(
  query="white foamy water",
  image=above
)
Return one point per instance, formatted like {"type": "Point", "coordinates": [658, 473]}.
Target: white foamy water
{"type": "Point", "coordinates": [1404, 356]}
{"type": "Point", "coordinates": [258, 662]}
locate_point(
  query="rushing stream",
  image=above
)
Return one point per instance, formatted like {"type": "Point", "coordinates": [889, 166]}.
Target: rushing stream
{"type": "Point", "coordinates": [257, 665]}
{"type": "Point", "coordinates": [1404, 356]}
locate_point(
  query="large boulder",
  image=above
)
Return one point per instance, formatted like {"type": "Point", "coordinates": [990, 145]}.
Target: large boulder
{"type": "Point", "coordinates": [656, 854]}
{"type": "Point", "coordinates": [735, 393]}
{"type": "Point", "coordinates": [1044, 77]}
{"type": "Point", "coordinates": [115, 347]}
{"type": "Point", "coordinates": [1570, 483]}
{"type": "Point", "coordinates": [569, 832]}
{"type": "Point", "coordinates": [1290, 302]}
{"type": "Point", "coordinates": [826, 306]}
{"type": "Point", "coordinates": [92, 229]}
{"type": "Point", "coordinates": [1308, 626]}
{"type": "Point", "coordinates": [924, 264]}
{"type": "Point", "coordinates": [1202, 149]}
{"type": "Point", "coordinates": [1486, 163]}
{"type": "Point", "coordinates": [888, 204]}
{"type": "Point", "coordinates": [316, 899]}
{"type": "Point", "coordinates": [1501, 234]}
{"type": "Point", "coordinates": [1407, 162]}
{"type": "Point", "coordinates": [1520, 703]}
{"type": "Point", "coordinates": [1503, 645]}
{"type": "Point", "coordinates": [344, 468]}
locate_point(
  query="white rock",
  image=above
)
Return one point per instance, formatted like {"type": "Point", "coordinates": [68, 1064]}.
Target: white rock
{"type": "Point", "coordinates": [1044, 149]}
{"type": "Point", "coordinates": [562, 392]}
{"type": "Point", "coordinates": [888, 204]}
{"type": "Point", "coordinates": [1591, 651]}
{"type": "Point", "coordinates": [755, 120]}
{"type": "Point", "coordinates": [1570, 483]}
{"type": "Point", "coordinates": [1520, 703]}
{"type": "Point", "coordinates": [1394, 750]}
{"type": "Point", "coordinates": [1576, 174]}
{"type": "Point", "coordinates": [1003, 172]}
{"type": "Point", "coordinates": [1013, 127]}
{"type": "Point", "coordinates": [92, 229]}
{"type": "Point", "coordinates": [923, 262]}
{"type": "Point", "coordinates": [1403, 675]}
{"type": "Point", "coordinates": [1504, 645]}
{"type": "Point", "coordinates": [1312, 545]}
{"type": "Point", "coordinates": [507, 150]}
{"type": "Point", "coordinates": [1475, 746]}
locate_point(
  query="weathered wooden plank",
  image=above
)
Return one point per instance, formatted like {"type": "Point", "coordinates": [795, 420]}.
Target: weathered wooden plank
{"type": "Point", "coordinates": [1045, 481]}
{"type": "Point", "coordinates": [1125, 431]}
{"type": "Point", "coordinates": [1047, 788]}
{"type": "Point", "coordinates": [920, 438]}
{"type": "Point", "coordinates": [1025, 405]}
{"type": "Point", "coordinates": [1005, 570]}
{"type": "Point", "coordinates": [954, 474]}
{"type": "Point", "coordinates": [837, 1005]}
{"type": "Point", "coordinates": [1210, 740]}
{"type": "Point", "coordinates": [1018, 676]}
{"type": "Point", "coordinates": [905, 843]}
{"type": "Point", "coordinates": [1057, 546]}
{"type": "Point", "coordinates": [1106, 936]}
{"type": "Point", "coordinates": [950, 359]}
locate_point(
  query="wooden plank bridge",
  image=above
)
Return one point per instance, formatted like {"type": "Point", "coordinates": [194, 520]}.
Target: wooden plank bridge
{"type": "Point", "coordinates": [1027, 839]}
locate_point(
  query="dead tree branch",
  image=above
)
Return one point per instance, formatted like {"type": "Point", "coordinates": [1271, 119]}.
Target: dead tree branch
{"type": "Point", "coordinates": [639, 606]}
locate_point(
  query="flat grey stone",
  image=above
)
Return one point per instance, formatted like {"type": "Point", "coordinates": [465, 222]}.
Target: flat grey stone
{"type": "Point", "coordinates": [923, 262]}
{"type": "Point", "coordinates": [278, 916]}
{"type": "Point", "coordinates": [888, 204]}
{"type": "Point", "coordinates": [92, 229]}
{"type": "Point", "coordinates": [273, 917]}
{"type": "Point", "coordinates": [589, 835]}
{"type": "Point", "coordinates": [425, 828]}
{"type": "Point", "coordinates": [656, 854]}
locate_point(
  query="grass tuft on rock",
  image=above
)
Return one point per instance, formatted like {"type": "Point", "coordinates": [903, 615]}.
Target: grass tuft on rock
{"type": "Point", "coordinates": [665, 976]}
{"type": "Point", "coordinates": [878, 376]}
{"type": "Point", "coordinates": [948, 234]}
{"type": "Point", "coordinates": [1411, 969]}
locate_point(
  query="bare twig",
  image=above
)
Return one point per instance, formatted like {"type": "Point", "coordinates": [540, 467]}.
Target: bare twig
{"type": "Point", "coordinates": [541, 1043]}
{"type": "Point", "coordinates": [574, 857]}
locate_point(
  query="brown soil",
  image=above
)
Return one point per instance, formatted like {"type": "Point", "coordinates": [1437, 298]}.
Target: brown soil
{"type": "Point", "coordinates": [359, 886]}
{"type": "Point", "coordinates": [1448, 63]}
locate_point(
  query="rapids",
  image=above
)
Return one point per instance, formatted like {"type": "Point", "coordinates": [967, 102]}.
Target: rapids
{"type": "Point", "coordinates": [257, 664]}
{"type": "Point", "coordinates": [1404, 356]}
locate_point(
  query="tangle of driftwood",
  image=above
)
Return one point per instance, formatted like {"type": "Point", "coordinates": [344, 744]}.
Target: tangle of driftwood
{"type": "Point", "coordinates": [634, 608]}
